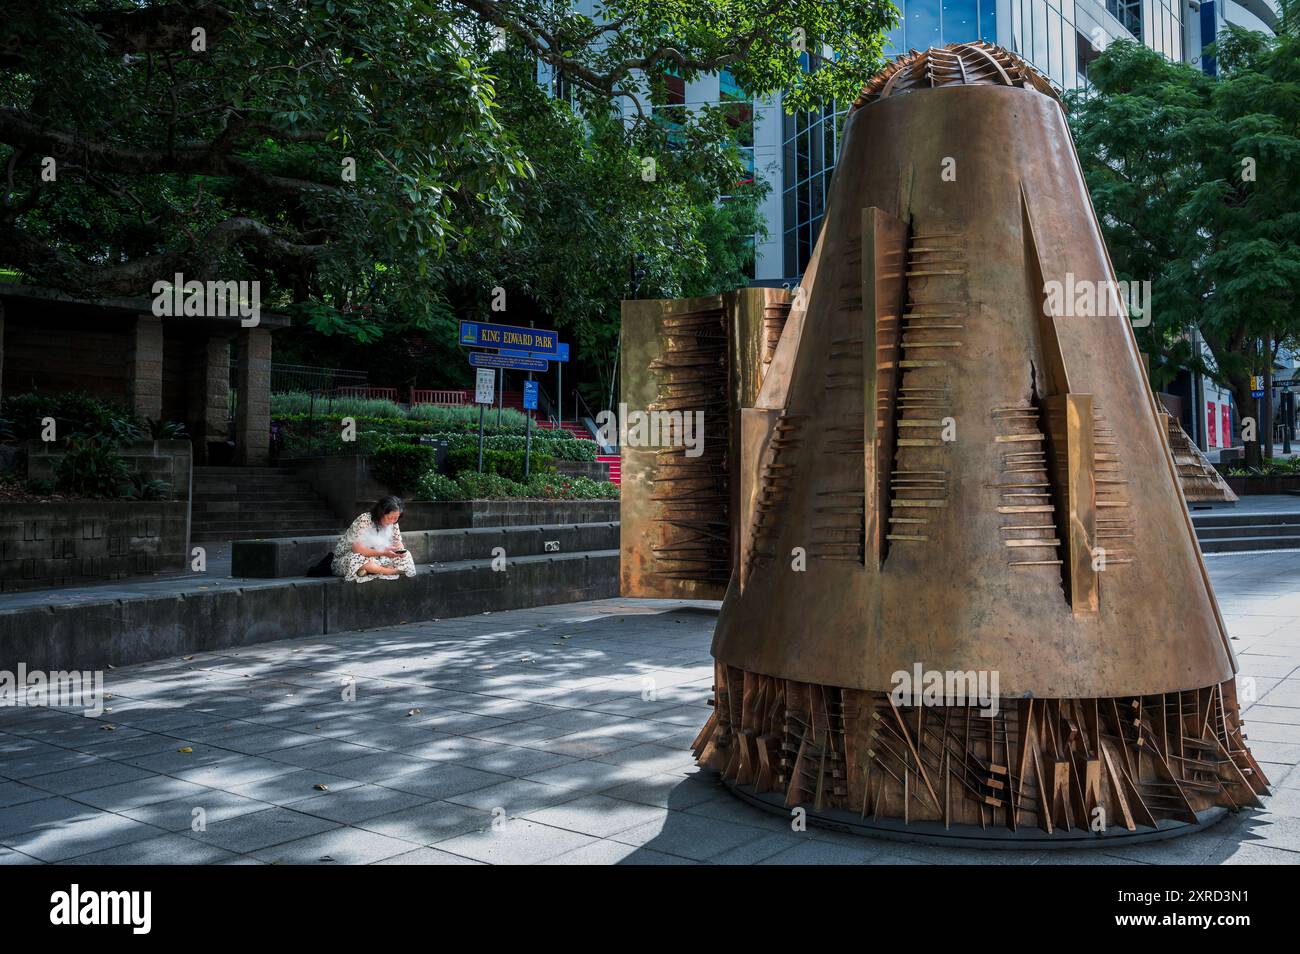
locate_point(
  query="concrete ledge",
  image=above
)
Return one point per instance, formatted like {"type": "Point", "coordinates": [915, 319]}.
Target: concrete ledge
{"type": "Point", "coordinates": [94, 634]}
{"type": "Point", "coordinates": [277, 559]}
{"type": "Point", "coordinates": [452, 514]}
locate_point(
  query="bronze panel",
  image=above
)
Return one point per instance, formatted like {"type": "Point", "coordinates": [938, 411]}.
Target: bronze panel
{"type": "Point", "coordinates": [951, 597]}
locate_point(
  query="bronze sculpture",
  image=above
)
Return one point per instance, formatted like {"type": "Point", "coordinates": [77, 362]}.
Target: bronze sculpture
{"type": "Point", "coordinates": [944, 477]}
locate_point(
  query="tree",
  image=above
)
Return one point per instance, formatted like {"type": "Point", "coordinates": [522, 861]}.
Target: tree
{"type": "Point", "coordinates": [332, 149]}
{"type": "Point", "coordinates": [1196, 181]}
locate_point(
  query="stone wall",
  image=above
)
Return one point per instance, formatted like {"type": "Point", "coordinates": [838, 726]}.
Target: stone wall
{"type": "Point", "coordinates": [594, 469]}
{"type": "Point", "coordinates": [47, 357]}
{"type": "Point", "coordinates": [84, 541]}
{"type": "Point", "coordinates": [167, 461]}
{"type": "Point", "coordinates": [341, 482]}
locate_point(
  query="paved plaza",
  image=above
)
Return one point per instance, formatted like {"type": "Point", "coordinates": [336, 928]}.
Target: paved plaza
{"type": "Point", "coordinates": [553, 735]}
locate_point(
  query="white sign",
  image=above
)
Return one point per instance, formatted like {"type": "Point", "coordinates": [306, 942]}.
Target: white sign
{"type": "Point", "coordinates": [485, 386]}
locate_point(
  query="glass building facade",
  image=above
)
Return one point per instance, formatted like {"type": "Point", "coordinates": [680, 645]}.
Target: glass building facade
{"type": "Point", "coordinates": [1058, 37]}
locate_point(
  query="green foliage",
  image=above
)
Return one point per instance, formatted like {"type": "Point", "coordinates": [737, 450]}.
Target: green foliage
{"type": "Point", "coordinates": [432, 417]}
{"type": "Point", "coordinates": [436, 486]}
{"type": "Point", "coordinates": [1276, 467]}
{"type": "Point", "coordinates": [143, 487]}
{"type": "Point", "coordinates": [401, 466]}
{"type": "Point", "coordinates": [160, 430]}
{"type": "Point", "coordinates": [476, 486]}
{"type": "Point", "coordinates": [91, 467]}
{"type": "Point", "coordinates": [372, 433]}
{"type": "Point", "coordinates": [506, 463]}
{"type": "Point", "coordinates": [566, 487]}
{"type": "Point", "coordinates": [74, 412]}
{"type": "Point", "coordinates": [40, 487]}
{"type": "Point", "coordinates": [1196, 182]}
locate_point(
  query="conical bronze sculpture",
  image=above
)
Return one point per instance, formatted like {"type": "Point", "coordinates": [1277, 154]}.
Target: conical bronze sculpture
{"type": "Point", "coordinates": [966, 598]}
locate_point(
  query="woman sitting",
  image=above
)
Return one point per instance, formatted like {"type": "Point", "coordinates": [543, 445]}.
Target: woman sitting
{"type": "Point", "coordinates": [372, 547]}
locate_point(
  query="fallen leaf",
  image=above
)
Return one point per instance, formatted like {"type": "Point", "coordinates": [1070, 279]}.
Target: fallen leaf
{"type": "Point", "coordinates": [186, 749]}
{"type": "Point", "coordinates": [321, 787]}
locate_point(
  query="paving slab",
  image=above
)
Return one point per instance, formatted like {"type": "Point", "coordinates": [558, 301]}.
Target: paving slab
{"type": "Point", "coordinates": [479, 740]}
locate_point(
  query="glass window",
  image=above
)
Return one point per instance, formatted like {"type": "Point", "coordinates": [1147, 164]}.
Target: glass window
{"type": "Point", "coordinates": [960, 21]}
{"type": "Point", "coordinates": [1039, 34]}
{"type": "Point", "coordinates": [923, 25]}
{"type": "Point", "coordinates": [1054, 33]}
{"type": "Point", "coordinates": [988, 21]}
{"type": "Point", "coordinates": [1085, 53]}
{"type": "Point", "coordinates": [894, 39]}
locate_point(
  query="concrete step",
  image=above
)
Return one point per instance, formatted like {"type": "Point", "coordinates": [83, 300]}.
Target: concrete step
{"type": "Point", "coordinates": [258, 485]}
{"type": "Point", "coordinates": [153, 623]}
{"type": "Point", "coordinates": [244, 471]}
{"type": "Point", "coordinates": [321, 523]}
{"type": "Point", "coordinates": [232, 503]}
{"type": "Point", "coordinates": [1240, 544]}
{"type": "Point", "coordinates": [294, 556]}
{"type": "Point", "coordinates": [1254, 530]}
{"type": "Point", "coordinates": [214, 536]}
{"type": "Point", "coordinates": [1233, 519]}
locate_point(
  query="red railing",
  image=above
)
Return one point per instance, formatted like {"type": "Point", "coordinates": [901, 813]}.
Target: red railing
{"type": "Point", "coordinates": [447, 398]}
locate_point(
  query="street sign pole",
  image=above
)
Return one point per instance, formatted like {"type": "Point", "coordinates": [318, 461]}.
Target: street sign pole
{"type": "Point", "coordinates": [483, 381]}
{"type": "Point", "coordinates": [501, 392]}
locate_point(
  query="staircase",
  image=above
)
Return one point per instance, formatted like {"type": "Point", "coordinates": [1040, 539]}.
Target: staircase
{"type": "Point", "coordinates": [1238, 532]}
{"type": "Point", "coordinates": [246, 503]}
{"type": "Point", "coordinates": [615, 466]}
{"type": "Point", "coordinates": [1202, 483]}
{"type": "Point", "coordinates": [573, 427]}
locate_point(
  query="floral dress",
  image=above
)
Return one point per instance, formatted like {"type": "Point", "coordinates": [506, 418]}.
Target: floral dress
{"type": "Point", "coordinates": [348, 563]}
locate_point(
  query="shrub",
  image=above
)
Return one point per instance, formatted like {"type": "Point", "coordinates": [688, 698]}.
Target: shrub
{"type": "Point", "coordinates": [566, 487]}
{"type": "Point", "coordinates": [436, 486]}
{"type": "Point", "coordinates": [144, 487]}
{"type": "Point", "coordinates": [401, 466]}
{"type": "Point", "coordinates": [92, 467]}
{"type": "Point", "coordinates": [508, 464]}
{"type": "Point", "coordinates": [40, 487]}
{"type": "Point", "coordinates": [373, 432]}
{"type": "Point", "coordinates": [164, 430]}
{"type": "Point", "coordinates": [74, 412]}
{"type": "Point", "coordinates": [477, 486]}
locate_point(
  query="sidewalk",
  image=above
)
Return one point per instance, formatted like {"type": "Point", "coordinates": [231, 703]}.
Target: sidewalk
{"type": "Point", "coordinates": [559, 734]}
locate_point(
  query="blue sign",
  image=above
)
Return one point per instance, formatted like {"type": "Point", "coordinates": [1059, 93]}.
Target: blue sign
{"type": "Point", "coordinates": [561, 355]}
{"type": "Point", "coordinates": [487, 359]}
{"type": "Point", "coordinates": [532, 341]}
{"type": "Point", "coordinates": [530, 395]}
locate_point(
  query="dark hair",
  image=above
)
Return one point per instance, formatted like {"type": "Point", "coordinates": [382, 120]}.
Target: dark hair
{"type": "Point", "coordinates": [385, 505]}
